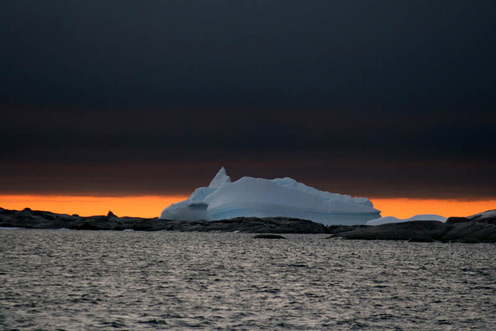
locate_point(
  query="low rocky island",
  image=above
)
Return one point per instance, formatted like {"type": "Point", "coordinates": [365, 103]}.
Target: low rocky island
{"type": "Point", "coordinates": [35, 219]}
{"type": "Point", "coordinates": [477, 228]}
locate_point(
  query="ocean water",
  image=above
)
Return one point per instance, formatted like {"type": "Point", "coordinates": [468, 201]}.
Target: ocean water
{"type": "Point", "coordinates": [163, 280]}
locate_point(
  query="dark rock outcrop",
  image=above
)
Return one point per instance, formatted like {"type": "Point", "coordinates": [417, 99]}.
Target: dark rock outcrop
{"type": "Point", "coordinates": [479, 229]}
{"type": "Point", "coordinates": [46, 220]}
{"type": "Point", "coordinates": [488, 216]}
{"type": "Point", "coordinates": [415, 230]}
{"type": "Point", "coordinates": [456, 219]}
{"type": "Point", "coordinates": [111, 214]}
{"type": "Point", "coordinates": [268, 236]}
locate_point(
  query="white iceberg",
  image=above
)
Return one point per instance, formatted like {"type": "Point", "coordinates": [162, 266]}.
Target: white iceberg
{"type": "Point", "coordinates": [392, 219]}
{"type": "Point", "coordinates": [280, 197]}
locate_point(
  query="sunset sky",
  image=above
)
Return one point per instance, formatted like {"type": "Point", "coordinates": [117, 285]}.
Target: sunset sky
{"type": "Point", "coordinates": [128, 105]}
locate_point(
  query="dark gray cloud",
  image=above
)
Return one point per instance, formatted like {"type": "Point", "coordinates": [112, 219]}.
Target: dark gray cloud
{"type": "Point", "coordinates": [379, 98]}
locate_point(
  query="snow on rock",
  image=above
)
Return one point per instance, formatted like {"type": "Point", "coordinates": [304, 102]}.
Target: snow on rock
{"type": "Point", "coordinates": [483, 215]}
{"type": "Point", "coordinates": [392, 219]}
{"type": "Point", "coordinates": [257, 197]}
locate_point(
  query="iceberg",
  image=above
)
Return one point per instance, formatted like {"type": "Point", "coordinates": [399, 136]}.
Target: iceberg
{"type": "Point", "coordinates": [392, 219]}
{"type": "Point", "coordinates": [280, 197]}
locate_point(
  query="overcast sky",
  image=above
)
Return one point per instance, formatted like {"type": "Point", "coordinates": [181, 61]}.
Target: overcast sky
{"type": "Point", "coordinates": [374, 98]}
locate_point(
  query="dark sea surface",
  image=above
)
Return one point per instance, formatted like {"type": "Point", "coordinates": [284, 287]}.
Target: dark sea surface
{"type": "Point", "coordinates": [78, 280]}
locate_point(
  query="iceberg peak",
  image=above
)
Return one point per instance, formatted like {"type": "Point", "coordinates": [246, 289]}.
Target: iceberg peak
{"type": "Point", "coordinates": [259, 197]}
{"type": "Point", "coordinates": [220, 179]}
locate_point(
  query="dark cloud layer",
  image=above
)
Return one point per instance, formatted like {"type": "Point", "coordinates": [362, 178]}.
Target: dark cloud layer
{"type": "Point", "coordinates": [380, 98]}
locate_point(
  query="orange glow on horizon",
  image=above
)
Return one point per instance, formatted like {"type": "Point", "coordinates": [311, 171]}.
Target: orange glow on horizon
{"type": "Point", "coordinates": [405, 208]}
{"type": "Point", "coordinates": [152, 206]}
{"type": "Point", "coordinates": [141, 206]}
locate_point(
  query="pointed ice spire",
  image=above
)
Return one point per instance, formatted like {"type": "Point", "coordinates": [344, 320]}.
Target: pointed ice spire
{"type": "Point", "coordinates": [220, 179]}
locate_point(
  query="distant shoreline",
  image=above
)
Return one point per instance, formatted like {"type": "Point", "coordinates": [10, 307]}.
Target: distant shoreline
{"type": "Point", "coordinates": [457, 229]}
{"type": "Point", "coordinates": [35, 219]}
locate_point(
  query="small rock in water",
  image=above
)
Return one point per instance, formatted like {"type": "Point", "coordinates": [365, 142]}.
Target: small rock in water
{"type": "Point", "coordinates": [268, 236]}
{"type": "Point", "coordinates": [421, 240]}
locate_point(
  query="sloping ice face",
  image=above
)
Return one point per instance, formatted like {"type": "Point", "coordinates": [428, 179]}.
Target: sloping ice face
{"type": "Point", "coordinates": [257, 197]}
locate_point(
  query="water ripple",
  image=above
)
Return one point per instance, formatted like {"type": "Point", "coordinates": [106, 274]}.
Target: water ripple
{"type": "Point", "coordinates": [137, 280]}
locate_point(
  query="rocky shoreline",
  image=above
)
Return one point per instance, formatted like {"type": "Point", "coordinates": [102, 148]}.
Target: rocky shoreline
{"type": "Point", "coordinates": [35, 219]}
{"type": "Point", "coordinates": [478, 228]}
{"type": "Point", "coordinates": [428, 231]}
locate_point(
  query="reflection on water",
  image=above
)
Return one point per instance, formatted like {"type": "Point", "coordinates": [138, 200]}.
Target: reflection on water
{"type": "Point", "coordinates": [140, 280]}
